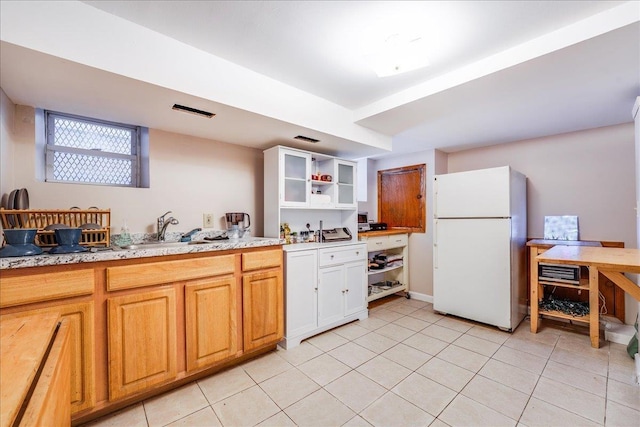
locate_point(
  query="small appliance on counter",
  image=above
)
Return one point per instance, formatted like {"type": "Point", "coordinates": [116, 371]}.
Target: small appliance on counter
{"type": "Point", "coordinates": [363, 221]}
{"type": "Point", "coordinates": [377, 226]}
{"type": "Point", "coordinates": [238, 224]}
{"type": "Point", "coordinates": [340, 234]}
{"type": "Point", "coordinates": [365, 225]}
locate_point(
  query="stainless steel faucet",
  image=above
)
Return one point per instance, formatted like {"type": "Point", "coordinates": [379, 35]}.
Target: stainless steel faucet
{"type": "Point", "coordinates": [164, 223]}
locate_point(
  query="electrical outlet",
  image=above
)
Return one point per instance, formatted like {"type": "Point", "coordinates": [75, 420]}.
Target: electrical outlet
{"type": "Point", "coordinates": [207, 220]}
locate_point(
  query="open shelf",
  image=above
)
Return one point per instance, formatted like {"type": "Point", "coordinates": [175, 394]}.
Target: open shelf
{"type": "Point", "coordinates": [386, 292]}
{"type": "Point", "coordinates": [564, 285]}
{"type": "Point", "coordinates": [561, 315]}
{"type": "Point", "coordinates": [371, 272]}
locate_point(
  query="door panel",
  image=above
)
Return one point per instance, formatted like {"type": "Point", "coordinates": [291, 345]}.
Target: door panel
{"type": "Point", "coordinates": [356, 277]}
{"type": "Point", "coordinates": [472, 263]}
{"type": "Point", "coordinates": [401, 197]}
{"type": "Point", "coordinates": [472, 194]}
{"type": "Point", "coordinates": [263, 315]}
{"type": "Point", "coordinates": [301, 292]}
{"type": "Point", "coordinates": [142, 341]}
{"type": "Point", "coordinates": [211, 326]}
{"type": "Point", "coordinates": [331, 295]}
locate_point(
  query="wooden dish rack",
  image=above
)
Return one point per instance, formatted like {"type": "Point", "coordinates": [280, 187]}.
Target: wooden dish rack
{"type": "Point", "coordinates": [74, 218]}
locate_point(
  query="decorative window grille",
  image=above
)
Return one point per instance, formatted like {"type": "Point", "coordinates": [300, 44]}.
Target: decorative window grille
{"type": "Point", "coordinates": [82, 150]}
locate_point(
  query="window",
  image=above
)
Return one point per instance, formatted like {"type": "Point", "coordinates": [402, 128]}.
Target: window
{"type": "Point", "coordinates": [83, 150]}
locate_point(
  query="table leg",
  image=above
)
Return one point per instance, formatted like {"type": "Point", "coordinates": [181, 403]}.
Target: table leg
{"type": "Point", "coordinates": [534, 291]}
{"type": "Point", "coordinates": [594, 309]}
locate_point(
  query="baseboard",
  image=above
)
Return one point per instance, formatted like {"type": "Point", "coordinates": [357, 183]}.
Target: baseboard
{"type": "Point", "coordinates": [618, 333]}
{"type": "Point", "coordinates": [421, 297]}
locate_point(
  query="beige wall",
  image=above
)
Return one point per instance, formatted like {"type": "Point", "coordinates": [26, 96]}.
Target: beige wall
{"type": "Point", "coordinates": [590, 174]}
{"type": "Point", "coordinates": [420, 244]}
{"type": "Point", "coordinates": [7, 114]}
{"type": "Point", "coordinates": [189, 176]}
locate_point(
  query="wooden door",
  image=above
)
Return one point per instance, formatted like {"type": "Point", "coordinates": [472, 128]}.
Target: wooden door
{"type": "Point", "coordinates": [401, 197]}
{"type": "Point", "coordinates": [263, 312]}
{"type": "Point", "coordinates": [211, 322]}
{"type": "Point", "coordinates": [142, 341]}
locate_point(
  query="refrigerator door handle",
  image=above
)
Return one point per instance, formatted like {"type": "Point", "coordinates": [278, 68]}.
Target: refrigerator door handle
{"type": "Point", "coordinates": [435, 197]}
{"type": "Point", "coordinates": [435, 244]}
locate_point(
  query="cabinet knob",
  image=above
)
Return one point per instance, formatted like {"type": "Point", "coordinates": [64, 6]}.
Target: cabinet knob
{"type": "Point", "coordinates": [315, 289]}
{"type": "Point", "coordinates": [331, 256]}
{"type": "Point", "coordinates": [378, 243]}
{"type": "Point", "coordinates": [357, 252]}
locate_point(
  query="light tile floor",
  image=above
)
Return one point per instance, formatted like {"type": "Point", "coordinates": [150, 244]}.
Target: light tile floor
{"type": "Point", "coordinates": [409, 366]}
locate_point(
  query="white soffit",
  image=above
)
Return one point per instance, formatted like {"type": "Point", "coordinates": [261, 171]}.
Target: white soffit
{"type": "Point", "coordinates": [113, 44]}
{"type": "Point", "coordinates": [373, 115]}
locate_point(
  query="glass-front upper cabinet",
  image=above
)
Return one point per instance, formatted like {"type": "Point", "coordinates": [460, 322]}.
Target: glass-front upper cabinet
{"type": "Point", "coordinates": [346, 182]}
{"type": "Point", "coordinates": [295, 182]}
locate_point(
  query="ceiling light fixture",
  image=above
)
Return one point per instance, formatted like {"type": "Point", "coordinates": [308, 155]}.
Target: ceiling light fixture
{"type": "Point", "coordinates": [399, 54]}
{"type": "Point", "coordinates": [190, 110]}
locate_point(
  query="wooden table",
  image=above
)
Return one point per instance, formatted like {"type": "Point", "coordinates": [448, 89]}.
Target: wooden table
{"type": "Point", "coordinates": [34, 354]}
{"type": "Point", "coordinates": [611, 262]}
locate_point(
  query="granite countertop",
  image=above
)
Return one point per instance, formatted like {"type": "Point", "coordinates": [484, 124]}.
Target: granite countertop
{"type": "Point", "coordinates": [117, 253]}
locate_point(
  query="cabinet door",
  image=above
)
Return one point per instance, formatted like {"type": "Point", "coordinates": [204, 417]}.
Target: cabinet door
{"type": "Point", "coordinates": [295, 178]}
{"type": "Point", "coordinates": [211, 321]}
{"type": "Point", "coordinates": [331, 290]}
{"type": "Point", "coordinates": [356, 287]}
{"type": "Point", "coordinates": [82, 348]}
{"type": "Point", "coordinates": [346, 181]}
{"type": "Point", "coordinates": [301, 292]}
{"type": "Point", "coordinates": [142, 341]}
{"type": "Point", "coordinates": [262, 303]}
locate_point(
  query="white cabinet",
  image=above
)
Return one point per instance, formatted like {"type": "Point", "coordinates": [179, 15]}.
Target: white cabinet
{"type": "Point", "coordinates": [394, 277]}
{"type": "Point", "coordinates": [295, 178]}
{"type": "Point", "coordinates": [345, 184]}
{"type": "Point", "coordinates": [325, 287]}
{"type": "Point", "coordinates": [301, 292]}
{"type": "Point", "coordinates": [302, 187]}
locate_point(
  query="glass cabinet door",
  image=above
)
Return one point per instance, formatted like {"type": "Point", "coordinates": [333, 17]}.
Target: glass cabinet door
{"type": "Point", "coordinates": [346, 181]}
{"type": "Point", "coordinates": [296, 178]}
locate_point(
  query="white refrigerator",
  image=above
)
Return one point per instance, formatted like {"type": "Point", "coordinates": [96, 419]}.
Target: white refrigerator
{"type": "Point", "coordinates": [479, 246]}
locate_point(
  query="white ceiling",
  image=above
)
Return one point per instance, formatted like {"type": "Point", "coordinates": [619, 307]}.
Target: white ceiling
{"type": "Point", "coordinates": [500, 71]}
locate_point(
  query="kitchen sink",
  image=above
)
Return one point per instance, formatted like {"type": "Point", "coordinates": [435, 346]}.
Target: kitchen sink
{"type": "Point", "coordinates": [155, 245]}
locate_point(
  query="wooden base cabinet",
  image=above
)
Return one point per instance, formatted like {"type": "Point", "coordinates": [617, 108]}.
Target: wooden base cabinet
{"type": "Point", "coordinates": [79, 317]}
{"type": "Point", "coordinates": [262, 311]}
{"type": "Point", "coordinates": [141, 327]}
{"type": "Point", "coordinates": [53, 289]}
{"type": "Point", "coordinates": [142, 341]}
{"type": "Point", "coordinates": [211, 321]}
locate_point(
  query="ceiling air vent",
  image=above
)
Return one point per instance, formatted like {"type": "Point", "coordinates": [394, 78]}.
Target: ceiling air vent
{"type": "Point", "coordinates": [306, 139]}
{"type": "Point", "coordinates": [192, 111]}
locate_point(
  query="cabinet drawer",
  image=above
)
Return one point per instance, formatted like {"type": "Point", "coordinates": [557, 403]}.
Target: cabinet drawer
{"type": "Point", "coordinates": [262, 259]}
{"type": "Point", "coordinates": [45, 287]}
{"type": "Point", "coordinates": [381, 243]}
{"type": "Point", "coordinates": [341, 255]}
{"type": "Point", "coordinates": [157, 273]}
